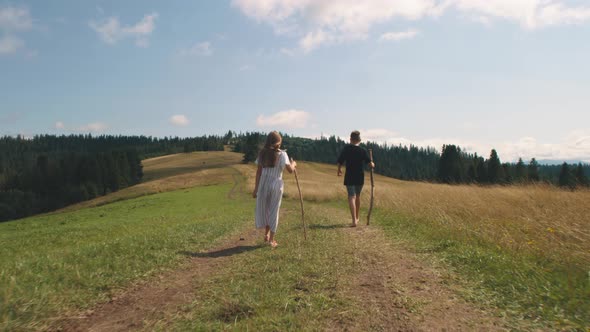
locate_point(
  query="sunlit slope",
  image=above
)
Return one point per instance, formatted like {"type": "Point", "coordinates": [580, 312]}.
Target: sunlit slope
{"type": "Point", "coordinates": [540, 219]}
{"type": "Point", "coordinates": [172, 172]}
{"type": "Point", "coordinates": [182, 163]}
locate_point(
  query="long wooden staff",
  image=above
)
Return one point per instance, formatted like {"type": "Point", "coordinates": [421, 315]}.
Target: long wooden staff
{"type": "Point", "coordinates": [372, 189]}
{"type": "Point", "coordinates": [300, 201]}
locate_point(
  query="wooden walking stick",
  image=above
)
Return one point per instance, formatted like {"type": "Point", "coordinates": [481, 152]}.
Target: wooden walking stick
{"type": "Point", "coordinates": [300, 201]}
{"type": "Point", "coordinates": [372, 189]}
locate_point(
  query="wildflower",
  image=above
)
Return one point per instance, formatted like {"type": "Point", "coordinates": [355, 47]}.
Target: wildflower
{"type": "Point", "coordinates": [550, 230]}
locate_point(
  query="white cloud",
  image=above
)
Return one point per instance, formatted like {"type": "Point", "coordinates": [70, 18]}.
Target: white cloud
{"type": "Point", "coordinates": [111, 31]}
{"type": "Point", "coordinates": [399, 35]}
{"type": "Point", "coordinates": [92, 127]}
{"type": "Point", "coordinates": [15, 19]}
{"type": "Point", "coordinates": [319, 22]}
{"type": "Point", "coordinates": [284, 119]}
{"type": "Point", "coordinates": [574, 146]}
{"type": "Point", "coordinates": [10, 44]}
{"type": "Point", "coordinates": [59, 125]}
{"type": "Point", "coordinates": [199, 49]}
{"type": "Point", "coordinates": [179, 120]}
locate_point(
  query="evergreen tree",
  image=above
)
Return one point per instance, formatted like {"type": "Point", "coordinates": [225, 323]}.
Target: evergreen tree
{"type": "Point", "coordinates": [450, 168]}
{"type": "Point", "coordinates": [495, 170]}
{"type": "Point", "coordinates": [251, 147]}
{"type": "Point", "coordinates": [520, 171]}
{"type": "Point", "coordinates": [581, 178]}
{"type": "Point", "coordinates": [566, 178]}
{"type": "Point", "coordinates": [507, 170]}
{"type": "Point", "coordinates": [482, 171]}
{"type": "Point", "coordinates": [533, 171]}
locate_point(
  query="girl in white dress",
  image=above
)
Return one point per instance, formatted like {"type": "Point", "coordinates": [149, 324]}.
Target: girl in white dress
{"type": "Point", "coordinates": [268, 189]}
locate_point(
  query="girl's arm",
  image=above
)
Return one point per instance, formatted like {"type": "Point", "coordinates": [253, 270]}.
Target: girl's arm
{"type": "Point", "coordinates": [258, 173]}
{"type": "Point", "coordinates": [291, 167]}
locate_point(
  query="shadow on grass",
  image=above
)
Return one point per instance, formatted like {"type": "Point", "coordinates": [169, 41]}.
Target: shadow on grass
{"type": "Point", "coordinates": [221, 253]}
{"type": "Point", "coordinates": [334, 226]}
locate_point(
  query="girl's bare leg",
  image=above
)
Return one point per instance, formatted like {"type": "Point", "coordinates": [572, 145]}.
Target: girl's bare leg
{"type": "Point", "coordinates": [272, 241]}
{"type": "Point", "coordinates": [267, 235]}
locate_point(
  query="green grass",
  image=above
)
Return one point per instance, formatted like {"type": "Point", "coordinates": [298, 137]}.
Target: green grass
{"type": "Point", "coordinates": [53, 264]}
{"type": "Point", "coordinates": [555, 294]}
{"type": "Point", "coordinates": [301, 285]}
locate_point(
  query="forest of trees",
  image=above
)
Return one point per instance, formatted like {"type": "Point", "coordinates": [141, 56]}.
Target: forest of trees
{"type": "Point", "coordinates": [407, 163]}
{"type": "Point", "coordinates": [425, 164]}
{"type": "Point", "coordinates": [48, 172]}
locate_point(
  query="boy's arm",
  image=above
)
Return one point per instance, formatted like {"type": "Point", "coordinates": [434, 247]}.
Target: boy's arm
{"type": "Point", "coordinates": [341, 159]}
{"type": "Point", "coordinates": [258, 173]}
{"type": "Point", "coordinates": [368, 160]}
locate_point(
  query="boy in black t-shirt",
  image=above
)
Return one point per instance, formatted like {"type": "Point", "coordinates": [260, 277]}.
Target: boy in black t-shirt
{"type": "Point", "coordinates": [355, 157]}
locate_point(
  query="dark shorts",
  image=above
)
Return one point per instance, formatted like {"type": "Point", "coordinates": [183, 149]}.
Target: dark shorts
{"type": "Point", "coordinates": [354, 190]}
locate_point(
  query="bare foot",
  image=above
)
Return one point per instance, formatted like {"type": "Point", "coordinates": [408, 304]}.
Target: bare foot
{"type": "Point", "coordinates": [274, 244]}
{"type": "Point", "coordinates": [266, 238]}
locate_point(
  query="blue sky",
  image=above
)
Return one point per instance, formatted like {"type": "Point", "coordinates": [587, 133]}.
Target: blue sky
{"type": "Point", "coordinates": [506, 74]}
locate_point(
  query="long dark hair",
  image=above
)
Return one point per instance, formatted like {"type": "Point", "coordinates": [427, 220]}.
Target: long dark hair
{"type": "Point", "coordinates": [269, 154]}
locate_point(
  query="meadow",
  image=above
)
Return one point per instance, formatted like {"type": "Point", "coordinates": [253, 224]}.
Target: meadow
{"type": "Point", "coordinates": [524, 250]}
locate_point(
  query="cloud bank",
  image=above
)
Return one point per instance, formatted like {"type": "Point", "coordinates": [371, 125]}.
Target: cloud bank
{"type": "Point", "coordinates": [288, 119]}
{"type": "Point", "coordinates": [318, 22]}
{"type": "Point", "coordinates": [574, 146]}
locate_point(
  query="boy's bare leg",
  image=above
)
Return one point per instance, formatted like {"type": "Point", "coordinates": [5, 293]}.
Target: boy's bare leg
{"type": "Point", "coordinates": [351, 204]}
{"type": "Point", "coordinates": [267, 235]}
{"type": "Point", "coordinates": [358, 206]}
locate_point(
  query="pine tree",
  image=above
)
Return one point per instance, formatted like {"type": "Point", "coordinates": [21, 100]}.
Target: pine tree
{"type": "Point", "coordinates": [482, 171]}
{"type": "Point", "coordinates": [450, 168]}
{"type": "Point", "coordinates": [533, 171]}
{"type": "Point", "coordinates": [520, 171]}
{"type": "Point", "coordinates": [494, 168]}
{"type": "Point", "coordinates": [250, 149]}
{"type": "Point", "coordinates": [581, 178]}
{"type": "Point", "coordinates": [566, 178]}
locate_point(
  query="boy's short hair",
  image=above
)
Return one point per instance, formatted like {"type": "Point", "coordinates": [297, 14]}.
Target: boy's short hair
{"type": "Point", "coordinates": [355, 136]}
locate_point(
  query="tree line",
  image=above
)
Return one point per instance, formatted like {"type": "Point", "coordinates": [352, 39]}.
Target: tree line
{"type": "Point", "coordinates": [456, 166]}
{"type": "Point", "coordinates": [424, 164]}
{"type": "Point", "coordinates": [49, 172]}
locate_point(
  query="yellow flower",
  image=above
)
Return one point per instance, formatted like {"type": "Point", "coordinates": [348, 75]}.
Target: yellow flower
{"type": "Point", "coordinates": [550, 230]}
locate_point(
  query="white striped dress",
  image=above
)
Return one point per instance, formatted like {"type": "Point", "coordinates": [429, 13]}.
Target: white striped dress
{"type": "Point", "coordinates": [270, 193]}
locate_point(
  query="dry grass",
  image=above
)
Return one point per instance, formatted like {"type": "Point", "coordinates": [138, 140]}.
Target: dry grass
{"type": "Point", "coordinates": [539, 219]}
{"type": "Point", "coordinates": [182, 163]}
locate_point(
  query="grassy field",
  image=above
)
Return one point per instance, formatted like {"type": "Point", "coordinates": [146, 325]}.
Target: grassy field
{"type": "Point", "coordinates": [55, 264]}
{"type": "Point", "coordinates": [525, 250]}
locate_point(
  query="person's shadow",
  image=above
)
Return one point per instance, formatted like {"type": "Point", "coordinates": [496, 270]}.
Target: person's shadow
{"type": "Point", "coordinates": [221, 253]}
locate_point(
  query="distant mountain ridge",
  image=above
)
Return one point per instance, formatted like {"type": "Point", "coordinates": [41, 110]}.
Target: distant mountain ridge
{"type": "Point", "coordinates": [561, 161]}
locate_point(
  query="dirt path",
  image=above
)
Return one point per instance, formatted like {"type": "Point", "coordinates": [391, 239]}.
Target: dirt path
{"type": "Point", "coordinates": [153, 299]}
{"type": "Point", "coordinates": [401, 292]}
{"type": "Point", "coordinates": [397, 289]}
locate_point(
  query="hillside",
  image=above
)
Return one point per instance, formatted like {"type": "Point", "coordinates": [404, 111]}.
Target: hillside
{"type": "Point", "coordinates": [166, 254]}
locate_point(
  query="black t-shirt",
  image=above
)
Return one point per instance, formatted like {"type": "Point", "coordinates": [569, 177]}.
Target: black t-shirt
{"type": "Point", "coordinates": [355, 157]}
